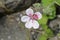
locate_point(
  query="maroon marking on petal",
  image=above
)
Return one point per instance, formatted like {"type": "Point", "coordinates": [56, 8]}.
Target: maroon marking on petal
{"type": "Point", "coordinates": [35, 16]}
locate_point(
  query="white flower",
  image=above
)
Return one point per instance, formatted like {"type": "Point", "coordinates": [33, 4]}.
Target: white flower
{"type": "Point", "coordinates": [31, 18]}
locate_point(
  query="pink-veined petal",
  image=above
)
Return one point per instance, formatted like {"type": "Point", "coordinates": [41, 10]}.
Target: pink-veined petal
{"type": "Point", "coordinates": [25, 18]}
{"type": "Point", "coordinates": [35, 24]}
{"type": "Point", "coordinates": [39, 15]}
{"type": "Point", "coordinates": [29, 11]}
{"type": "Point", "coordinates": [29, 24]}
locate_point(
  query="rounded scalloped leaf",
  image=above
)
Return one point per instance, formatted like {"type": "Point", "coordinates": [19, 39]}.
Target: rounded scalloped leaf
{"type": "Point", "coordinates": [53, 15]}
{"type": "Point", "coordinates": [37, 5]}
{"type": "Point", "coordinates": [52, 12]}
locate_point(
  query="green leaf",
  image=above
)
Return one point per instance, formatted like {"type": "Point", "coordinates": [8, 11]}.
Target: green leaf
{"type": "Point", "coordinates": [43, 20]}
{"type": "Point", "coordinates": [52, 13]}
{"type": "Point", "coordinates": [47, 3]}
{"type": "Point", "coordinates": [44, 27]}
{"type": "Point", "coordinates": [57, 2]}
{"type": "Point", "coordinates": [49, 8]}
{"type": "Point", "coordinates": [49, 32]}
{"type": "Point", "coordinates": [42, 37]}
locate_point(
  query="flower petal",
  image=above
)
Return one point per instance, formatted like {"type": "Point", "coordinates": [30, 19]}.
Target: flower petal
{"type": "Point", "coordinates": [28, 24]}
{"type": "Point", "coordinates": [39, 15]}
{"type": "Point", "coordinates": [25, 18]}
{"type": "Point", "coordinates": [29, 11]}
{"type": "Point", "coordinates": [35, 24]}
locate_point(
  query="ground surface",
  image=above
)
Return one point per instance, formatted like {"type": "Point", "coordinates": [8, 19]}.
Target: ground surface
{"type": "Point", "coordinates": [10, 29]}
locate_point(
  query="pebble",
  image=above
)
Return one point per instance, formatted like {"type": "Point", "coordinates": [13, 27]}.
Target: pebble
{"type": "Point", "coordinates": [9, 37]}
{"type": "Point", "coordinates": [2, 39]}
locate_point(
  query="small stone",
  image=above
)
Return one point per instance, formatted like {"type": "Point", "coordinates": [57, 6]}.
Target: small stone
{"type": "Point", "coordinates": [9, 37]}
{"type": "Point", "coordinates": [59, 37]}
{"type": "Point", "coordinates": [58, 16]}
{"type": "Point", "coordinates": [17, 19]}
{"type": "Point", "coordinates": [2, 39]}
{"type": "Point", "coordinates": [19, 22]}
{"type": "Point", "coordinates": [32, 32]}
{"type": "Point", "coordinates": [54, 38]}
{"type": "Point", "coordinates": [20, 15]}
{"type": "Point", "coordinates": [11, 20]}
{"type": "Point", "coordinates": [16, 37]}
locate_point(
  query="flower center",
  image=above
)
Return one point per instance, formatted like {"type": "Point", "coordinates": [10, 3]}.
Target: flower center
{"type": "Point", "coordinates": [34, 16]}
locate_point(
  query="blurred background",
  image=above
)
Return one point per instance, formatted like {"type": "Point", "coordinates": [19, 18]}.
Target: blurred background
{"type": "Point", "coordinates": [11, 27]}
